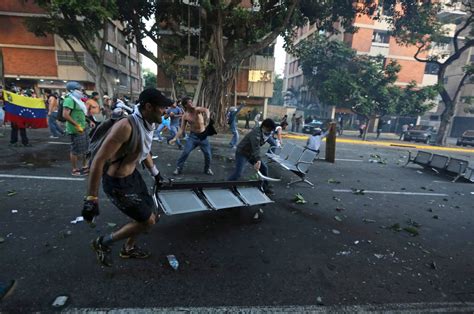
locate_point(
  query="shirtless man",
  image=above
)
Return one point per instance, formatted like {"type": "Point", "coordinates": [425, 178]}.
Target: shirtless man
{"type": "Point", "coordinates": [197, 118]}
{"type": "Point", "coordinates": [116, 162]}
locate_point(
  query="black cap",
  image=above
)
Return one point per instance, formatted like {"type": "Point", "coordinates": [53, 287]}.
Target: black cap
{"type": "Point", "coordinates": [154, 97]}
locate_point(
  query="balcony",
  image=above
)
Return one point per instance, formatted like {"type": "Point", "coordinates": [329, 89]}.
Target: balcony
{"type": "Point", "coordinates": [451, 12]}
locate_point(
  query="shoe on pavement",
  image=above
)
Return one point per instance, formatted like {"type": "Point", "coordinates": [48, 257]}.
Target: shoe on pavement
{"type": "Point", "coordinates": [156, 139]}
{"type": "Point", "coordinates": [52, 136]}
{"type": "Point", "coordinates": [102, 252]}
{"type": "Point", "coordinates": [209, 172]}
{"type": "Point", "coordinates": [177, 171]}
{"type": "Point", "coordinates": [134, 252]}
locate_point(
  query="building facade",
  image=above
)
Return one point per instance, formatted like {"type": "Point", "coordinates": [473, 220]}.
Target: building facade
{"type": "Point", "coordinates": [47, 62]}
{"type": "Point", "coordinates": [373, 38]}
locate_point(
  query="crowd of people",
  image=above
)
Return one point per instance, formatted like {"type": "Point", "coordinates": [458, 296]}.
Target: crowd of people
{"type": "Point", "coordinates": [109, 138]}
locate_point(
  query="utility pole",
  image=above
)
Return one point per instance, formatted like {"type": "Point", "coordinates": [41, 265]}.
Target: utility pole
{"type": "Point", "coordinates": [331, 143]}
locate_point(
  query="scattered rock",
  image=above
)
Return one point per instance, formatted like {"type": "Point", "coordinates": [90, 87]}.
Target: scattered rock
{"type": "Point", "coordinates": [334, 181]}
{"type": "Point", "coordinates": [319, 301]}
{"type": "Point", "coordinates": [435, 217]}
{"type": "Point", "coordinates": [60, 301]}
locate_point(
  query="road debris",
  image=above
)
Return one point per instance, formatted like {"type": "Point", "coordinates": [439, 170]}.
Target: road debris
{"type": "Point", "coordinates": [78, 219]}
{"type": "Point", "coordinates": [435, 217]}
{"type": "Point", "coordinates": [111, 224]}
{"type": "Point", "coordinates": [337, 199]}
{"type": "Point", "coordinates": [11, 192]}
{"type": "Point", "coordinates": [2, 239]}
{"type": "Point", "coordinates": [60, 301]}
{"type": "Point", "coordinates": [418, 171]}
{"type": "Point", "coordinates": [395, 227]}
{"type": "Point", "coordinates": [368, 220]}
{"type": "Point", "coordinates": [337, 218]}
{"type": "Point", "coordinates": [343, 253]}
{"type": "Point", "coordinates": [299, 199]}
{"type": "Point", "coordinates": [379, 256]}
{"type": "Point", "coordinates": [358, 191]}
{"type": "Point", "coordinates": [173, 261]}
{"type": "Point", "coordinates": [319, 301]}
{"type": "Point", "coordinates": [375, 158]}
{"type": "Point", "coordinates": [340, 209]}
{"type": "Point", "coordinates": [336, 231]}
{"type": "Point", "coordinates": [334, 181]}
{"type": "Point", "coordinates": [14, 211]}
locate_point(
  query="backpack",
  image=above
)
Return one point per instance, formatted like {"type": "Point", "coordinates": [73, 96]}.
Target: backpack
{"type": "Point", "coordinates": [99, 134]}
{"type": "Point", "coordinates": [60, 116]}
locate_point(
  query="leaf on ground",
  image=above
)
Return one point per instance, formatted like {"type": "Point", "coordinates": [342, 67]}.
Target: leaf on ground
{"type": "Point", "coordinates": [11, 193]}
{"type": "Point", "coordinates": [299, 199]}
{"type": "Point", "coordinates": [334, 181]}
{"type": "Point", "coordinates": [412, 230]}
{"type": "Point", "coordinates": [337, 218]}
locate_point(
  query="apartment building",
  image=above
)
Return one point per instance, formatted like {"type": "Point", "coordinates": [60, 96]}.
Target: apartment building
{"type": "Point", "coordinates": [47, 62]}
{"type": "Point", "coordinates": [372, 38]}
{"type": "Point", "coordinates": [255, 77]}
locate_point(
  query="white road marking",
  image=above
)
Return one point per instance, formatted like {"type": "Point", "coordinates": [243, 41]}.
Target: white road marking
{"type": "Point", "coordinates": [392, 192]}
{"type": "Point", "coordinates": [14, 176]}
{"type": "Point", "coordinates": [435, 307]}
{"type": "Point", "coordinates": [59, 143]}
{"type": "Point", "coordinates": [343, 159]}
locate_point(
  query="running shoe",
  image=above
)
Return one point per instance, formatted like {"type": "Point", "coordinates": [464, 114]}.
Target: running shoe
{"type": "Point", "coordinates": [102, 252]}
{"type": "Point", "coordinates": [209, 172]}
{"type": "Point", "coordinates": [76, 172]}
{"type": "Point", "coordinates": [177, 171]}
{"type": "Point", "coordinates": [134, 252]}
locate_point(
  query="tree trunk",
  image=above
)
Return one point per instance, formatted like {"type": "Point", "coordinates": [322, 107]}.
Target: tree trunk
{"type": "Point", "coordinates": [364, 135]}
{"type": "Point", "coordinates": [446, 117]}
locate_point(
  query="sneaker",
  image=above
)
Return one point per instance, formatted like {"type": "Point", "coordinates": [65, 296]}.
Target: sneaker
{"type": "Point", "coordinates": [209, 172]}
{"type": "Point", "coordinates": [156, 139]}
{"type": "Point", "coordinates": [52, 136]}
{"type": "Point", "coordinates": [177, 171]}
{"type": "Point", "coordinates": [102, 252]}
{"type": "Point", "coordinates": [134, 252]}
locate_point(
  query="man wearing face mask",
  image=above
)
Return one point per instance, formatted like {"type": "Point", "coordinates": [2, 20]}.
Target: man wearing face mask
{"type": "Point", "coordinates": [248, 150]}
{"type": "Point", "coordinates": [75, 112]}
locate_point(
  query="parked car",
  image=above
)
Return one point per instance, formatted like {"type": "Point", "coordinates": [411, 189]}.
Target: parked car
{"type": "Point", "coordinates": [309, 127]}
{"type": "Point", "coordinates": [421, 133]}
{"type": "Point", "coordinates": [467, 138]}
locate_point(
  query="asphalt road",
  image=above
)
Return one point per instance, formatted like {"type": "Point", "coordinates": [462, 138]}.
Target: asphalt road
{"type": "Point", "coordinates": [336, 250]}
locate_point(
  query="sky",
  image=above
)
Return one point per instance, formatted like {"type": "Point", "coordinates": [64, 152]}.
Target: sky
{"type": "Point", "coordinates": [280, 56]}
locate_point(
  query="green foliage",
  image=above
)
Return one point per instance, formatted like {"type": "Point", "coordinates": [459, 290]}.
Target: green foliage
{"type": "Point", "coordinates": [149, 79]}
{"type": "Point", "coordinates": [277, 98]}
{"type": "Point", "coordinates": [340, 77]}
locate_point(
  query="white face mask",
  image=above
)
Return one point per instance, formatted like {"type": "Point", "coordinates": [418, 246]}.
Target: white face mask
{"type": "Point", "coordinates": [77, 93]}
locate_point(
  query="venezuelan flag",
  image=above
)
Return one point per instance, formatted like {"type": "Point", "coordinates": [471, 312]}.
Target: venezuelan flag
{"type": "Point", "coordinates": [26, 112]}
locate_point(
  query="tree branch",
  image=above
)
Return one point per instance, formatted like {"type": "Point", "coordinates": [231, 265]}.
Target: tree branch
{"type": "Point", "coordinates": [269, 38]}
{"type": "Point", "coordinates": [420, 48]}
{"type": "Point", "coordinates": [78, 59]}
{"type": "Point", "coordinates": [460, 30]}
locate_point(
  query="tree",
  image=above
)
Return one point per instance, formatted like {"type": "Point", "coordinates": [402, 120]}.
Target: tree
{"type": "Point", "coordinates": [418, 24]}
{"type": "Point", "coordinates": [149, 79]}
{"type": "Point", "coordinates": [340, 77]}
{"type": "Point", "coordinates": [223, 33]}
{"type": "Point", "coordinates": [277, 98]}
{"type": "Point", "coordinates": [85, 23]}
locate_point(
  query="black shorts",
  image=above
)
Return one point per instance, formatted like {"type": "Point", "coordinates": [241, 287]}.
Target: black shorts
{"type": "Point", "coordinates": [130, 195]}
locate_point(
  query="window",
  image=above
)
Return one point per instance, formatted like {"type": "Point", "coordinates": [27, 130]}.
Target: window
{"type": "Point", "coordinates": [431, 68]}
{"type": "Point", "coordinates": [67, 58]}
{"type": "Point", "coordinates": [380, 37]}
{"type": "Point", "coordinates": [189, 72]}
{"type": "Point", "coordinates": [121, 38]}
{"type": "Point", "coordinates": [109, 48]}
{"type": "Point", "coordinates": [123, 59]}
{"type": "Point", "coordinates": [124, 78]}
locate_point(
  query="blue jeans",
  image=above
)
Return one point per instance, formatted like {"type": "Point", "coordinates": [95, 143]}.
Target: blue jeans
{"type": "Point", "coordinates": [173, 132]}
{"type": "Point", "coordinates": [158, 131]}
{"type": "Point", "coordinates": [54, 128]}
{"type": "Point", "coordinates": [193, 142]}
{"type": "Point", "coordinates": [240, 161]}
{"type": "Point", "coordinates": [235, 135]}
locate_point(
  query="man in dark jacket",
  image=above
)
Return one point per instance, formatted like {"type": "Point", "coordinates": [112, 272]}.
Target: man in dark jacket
{"type": "Point", "coordinates": [248, 150]}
